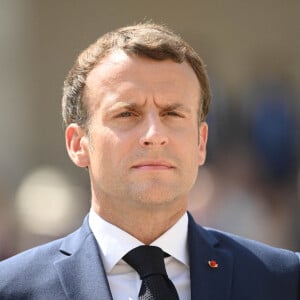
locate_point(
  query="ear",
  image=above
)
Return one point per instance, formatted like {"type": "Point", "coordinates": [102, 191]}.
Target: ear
{"type": "Point", "coordinates": [203, 135]}
{"type": "Point", "coordinates": [77, 145]}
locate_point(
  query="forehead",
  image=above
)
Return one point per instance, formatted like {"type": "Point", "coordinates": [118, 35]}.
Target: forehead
{"type": "Point", "coordinates": [122, 72]}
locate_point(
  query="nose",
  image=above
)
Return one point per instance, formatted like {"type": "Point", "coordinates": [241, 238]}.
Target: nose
{"type": "Point", "coordinates": [154, 134]}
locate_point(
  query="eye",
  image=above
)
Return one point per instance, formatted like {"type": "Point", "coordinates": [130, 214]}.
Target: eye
{"type": "Point", "coordinates": [126, 114]}
{"type": "Point", "coordinates": [173, 114]}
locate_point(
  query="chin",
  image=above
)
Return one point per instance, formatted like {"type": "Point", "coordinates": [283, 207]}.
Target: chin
{"type": "Point", "coordinates": [157, 192]}
{"type": "Point", "coordinates": [156, 197]}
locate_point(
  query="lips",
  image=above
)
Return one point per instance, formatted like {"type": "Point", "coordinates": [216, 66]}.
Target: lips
{"type": "Point", "coordinates": [153, 165]}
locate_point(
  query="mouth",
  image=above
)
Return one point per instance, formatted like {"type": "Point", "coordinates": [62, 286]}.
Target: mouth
{"type": "Point", "coordinates": [153, 166]}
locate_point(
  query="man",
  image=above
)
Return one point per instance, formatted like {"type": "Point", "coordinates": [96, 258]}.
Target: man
{"type": "Point", "coordinates": [134, 106]}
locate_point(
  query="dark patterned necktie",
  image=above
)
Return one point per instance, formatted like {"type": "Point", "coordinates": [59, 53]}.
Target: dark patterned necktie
{"type": "Point", "coordinates": [148, 261]}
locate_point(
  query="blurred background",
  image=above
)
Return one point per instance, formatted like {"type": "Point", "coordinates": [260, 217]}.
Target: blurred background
{"type": "Point", "coordinates": [250, 183]}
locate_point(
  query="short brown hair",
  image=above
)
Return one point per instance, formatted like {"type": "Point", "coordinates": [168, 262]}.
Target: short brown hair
{"type": "Point", "coordinates": [145, 39]}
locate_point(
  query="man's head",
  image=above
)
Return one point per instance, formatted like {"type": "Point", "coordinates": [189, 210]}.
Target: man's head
{"type": "Point", "coordinates": [134, 107]}
{"type": "Point", "coordinates": [144, 40]}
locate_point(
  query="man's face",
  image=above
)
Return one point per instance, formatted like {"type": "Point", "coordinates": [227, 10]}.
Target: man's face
{"type": "Point", "coordinates": [144, 143]}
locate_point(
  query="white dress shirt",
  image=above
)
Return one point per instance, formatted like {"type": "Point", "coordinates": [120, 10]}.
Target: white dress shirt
{"type": "Point", "coordinates": [123, 280]}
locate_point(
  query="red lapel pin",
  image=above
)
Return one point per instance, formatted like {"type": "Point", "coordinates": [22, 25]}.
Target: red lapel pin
{"type": "Point", "coordinates": [213, 264]}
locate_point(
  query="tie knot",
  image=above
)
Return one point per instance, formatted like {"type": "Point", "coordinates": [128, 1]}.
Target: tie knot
{"type": "Point", "coordinates": [146, 260]}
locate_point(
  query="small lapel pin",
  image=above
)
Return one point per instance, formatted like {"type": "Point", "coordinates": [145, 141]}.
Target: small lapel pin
{"type": "Point", "coordinates": [213, 264]}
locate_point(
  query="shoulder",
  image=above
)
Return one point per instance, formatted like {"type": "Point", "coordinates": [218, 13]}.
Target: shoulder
{"type": "Point", "coordinates": [45, 254]}
{"type": "Point", "coordinates": [241, 247]}
{"type": "Point", "coordinates": [259, 260]}
{"type": "Point", "coordinates": [244, 246]}
{"type": "Point", "coordinates": [261, 265]}
{"type": "Point", "coordinates": [249, 258]}
{"type": "Point", "coordinates": [31, 261]}
{"type": "Point", "coordinates": [35, 268]}
{"type": "Point", "coordinates": [30, 258]}
{"type": "Point", "coordinates": [252, 268]}
{"type": "Point", "coordinates": [30, 270]}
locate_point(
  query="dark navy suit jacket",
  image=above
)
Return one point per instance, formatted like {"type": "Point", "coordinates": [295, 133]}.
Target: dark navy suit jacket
{"type": "Point", "coordinates": [71, 268]}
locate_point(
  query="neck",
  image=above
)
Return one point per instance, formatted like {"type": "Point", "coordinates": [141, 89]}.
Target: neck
{"type": "Point", "coordinates": [146, 223]}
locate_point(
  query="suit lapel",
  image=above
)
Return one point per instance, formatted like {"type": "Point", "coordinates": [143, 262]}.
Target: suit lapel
{"type": "Point", "coordinates": [208, 283]}
{"type": "Point", "coordinates": [80, 269]}
{"type": "Point", "coordinates": [82, 275]}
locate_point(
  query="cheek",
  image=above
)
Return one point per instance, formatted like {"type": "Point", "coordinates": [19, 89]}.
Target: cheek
{"type": "Point", "coordinates": [188, 150]}
{"type": "Point", "coordinates": [110, 149]}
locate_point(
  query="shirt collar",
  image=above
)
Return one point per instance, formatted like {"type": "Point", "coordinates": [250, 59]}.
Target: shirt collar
{"type": "Point", "coordinates": [114, 242]}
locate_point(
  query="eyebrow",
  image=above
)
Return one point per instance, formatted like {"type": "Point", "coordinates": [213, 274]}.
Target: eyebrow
{"type": "Point", "coordinates": [125, 105]}
{"type": "Point", "coordinates": [174, 106]}
{"type": "Point", "coordinates": [135, 106]}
